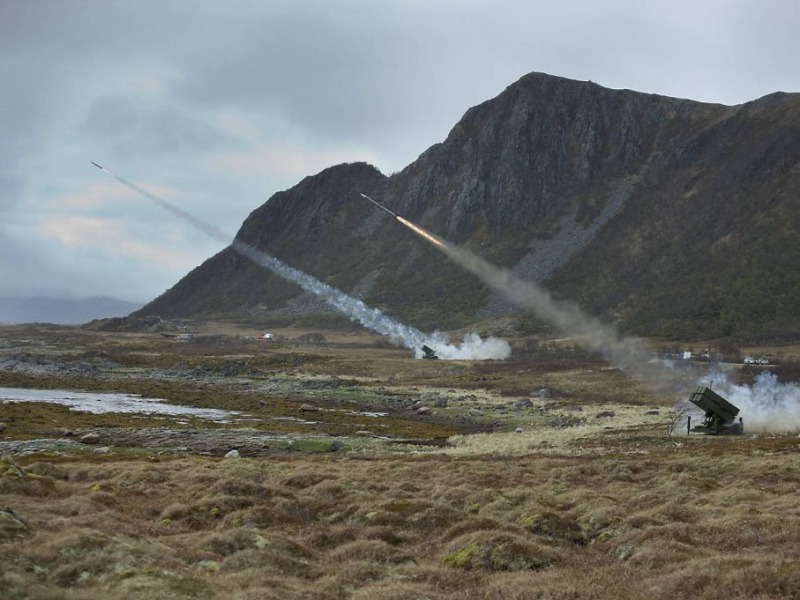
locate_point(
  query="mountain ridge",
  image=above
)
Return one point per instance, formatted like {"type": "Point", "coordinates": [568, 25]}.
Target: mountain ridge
{"type": "Point", "coordinates": [42, 309]}
{"type": "Point", "coordinates": [709, 193]}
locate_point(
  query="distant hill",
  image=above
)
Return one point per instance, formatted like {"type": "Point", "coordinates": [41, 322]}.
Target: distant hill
{"type": "Point", "coordinates": [670, 217]}
{"type": "Point", "coordinates": [65, 312]}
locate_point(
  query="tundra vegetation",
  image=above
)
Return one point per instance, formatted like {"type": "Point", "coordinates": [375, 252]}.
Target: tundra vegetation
{"type": "Point", "coordinates": [550, 475]}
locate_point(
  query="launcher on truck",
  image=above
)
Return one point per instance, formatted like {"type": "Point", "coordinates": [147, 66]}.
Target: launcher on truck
{"type": "Point", "coordinates": [720, 415]}
{"type": "Point", "coordinates": [429, 353]}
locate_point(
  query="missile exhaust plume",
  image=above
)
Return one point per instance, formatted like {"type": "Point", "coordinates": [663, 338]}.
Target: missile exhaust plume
{"type": "Point", "coordinates": [630, 354]}
{"type": "Point", "coordinates": [473, 347]}
{"type": "Point", "coordinates": [767, 405]}
{"type": "Point", "coordinates": [206, 228]}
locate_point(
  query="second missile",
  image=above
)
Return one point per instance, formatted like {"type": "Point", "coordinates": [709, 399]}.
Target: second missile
{"type": "Point", "coordinates": [379, 205]}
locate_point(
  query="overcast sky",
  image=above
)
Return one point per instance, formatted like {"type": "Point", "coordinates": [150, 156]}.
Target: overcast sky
{"type": "Point", "coordinates": [216, 105]}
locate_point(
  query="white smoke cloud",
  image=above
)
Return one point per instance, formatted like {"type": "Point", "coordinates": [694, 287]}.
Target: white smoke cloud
{"type": "Point", "coordinates": [473, 347]}
{"type": "Point", "coordinates": [767, 405]}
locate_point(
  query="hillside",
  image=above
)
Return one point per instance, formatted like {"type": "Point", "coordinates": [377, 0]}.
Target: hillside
{"type": "Point", "coordinates": [669, 216]}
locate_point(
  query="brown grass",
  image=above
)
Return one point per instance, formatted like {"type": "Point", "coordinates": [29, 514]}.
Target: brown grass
{"type": "Point", "coordinates": [676, 524]}
{"type": "Point", "coordinates": [589, 511]}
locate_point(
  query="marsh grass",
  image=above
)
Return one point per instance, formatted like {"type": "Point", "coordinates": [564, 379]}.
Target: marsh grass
{"type": "Point", "coordinates": [603, 509]}
{"type": "Point", "coordinates": [675, 524]}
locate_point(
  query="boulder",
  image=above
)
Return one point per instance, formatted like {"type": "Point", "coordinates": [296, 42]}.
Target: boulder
{"type": "Point", "coordinates": [90, 438]}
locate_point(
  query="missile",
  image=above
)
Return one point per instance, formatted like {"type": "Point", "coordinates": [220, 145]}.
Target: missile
{"type": "Point", "coordinates": [379, 205]}
{"type": "Point", "coordinates": [96, 165]}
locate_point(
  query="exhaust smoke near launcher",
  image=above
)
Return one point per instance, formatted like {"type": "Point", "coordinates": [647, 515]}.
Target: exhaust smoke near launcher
{"type": "Point", "coordinates": [473, 346]}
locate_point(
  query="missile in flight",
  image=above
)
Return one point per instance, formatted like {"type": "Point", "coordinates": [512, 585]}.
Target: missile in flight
{"type": "Point", "coordinates": [379, 205]}
{"type": "Point", "coordinates": [96, 165]}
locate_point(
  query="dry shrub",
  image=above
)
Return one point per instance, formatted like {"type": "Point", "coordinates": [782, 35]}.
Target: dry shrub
{"type": "Point", "coordinates": [678, 511]}
{"type": "Point", "coordinates": [12, 525]}
{"type": "Point", "coordinates": [641, 521]}
{"type": "Point", "coordinates": [374, 551]}
{"type": "Point", "coordinates": [498, 551]}
{"type": "Point", "coordinates": [394, 590]}
{"type": "Point", "coordinates": [202, 515]}
{"type": "Point", "coordinates": [327, 537]}
{"type": "Point", "coordinates": [106, 499]}
{"type": "Point", "coordinates": [25, 483]}
{"type": "Point", "coordinates": [414, 514]}
{"type": "Point", "coordinates": [255, 516]}
{"type": "Point", "coordinates": [300, 511]}
{"type": "Point", "coordinates": [390, 535]}
{"type": "Point", "coordinates": [590, 582]}
{"type": "Point", "coordinates": [76, 542]}
{"type": "Point", "coordinates": [331, 489]}
{"type": "Point", "coordinates": [276, 555]}
{"type": "Point", "coordinates": [81, 571]}
{"type": "Point", "coordinates": [78, 508]}
{"type": "Point", "coordinates": [47, 469]}
{"type": "Point", "coordinates": [474, 524]}
{"type": "Point", "coordinates": [240, 487]}
{"type": "Point", "coordinates": [678, 533]}
{"type": "Point", "coordinates": [268, 592]}
{"type": "Point", "coordinates": [338, 582]}
{"type": "Point", "coordinates": [91, 473]}
{"type": "Point", "coordinates": [561, 528]}
{"type": "Point", "coordinates": [461, 495]}
{"type": "Point", "coordinates": [602, 522]}
{"type": "Point", "coordinates": [741, 577]}
{"type": "Point", "coordinates": [646, 500]}
{"type": "Point", "coordinates": [229, 542]}
{"type": "Point", "coordinates": [305, 480]}
{"type": "Point", "coordinates": [148, 583]}
{"type": "Point", "coordinates": [659, 555]}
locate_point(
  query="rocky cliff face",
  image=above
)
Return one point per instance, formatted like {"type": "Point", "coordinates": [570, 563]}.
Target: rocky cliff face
{"type": "Point", "coordinates": [661, 213]}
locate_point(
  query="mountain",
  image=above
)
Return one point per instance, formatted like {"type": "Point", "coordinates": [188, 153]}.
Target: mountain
{"type": "Point", "coordinates": [61, 311]}
{"type": "Point", "coordinates": [668, 216]}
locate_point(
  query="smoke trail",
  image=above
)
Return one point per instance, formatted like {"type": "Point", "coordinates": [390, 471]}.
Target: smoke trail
{"type": "Point", "coordinates": [766, 405]}
{"type": "Point", "coordinates": [399, 334]}
{"type": "Point", "coordinates": [630, 354]}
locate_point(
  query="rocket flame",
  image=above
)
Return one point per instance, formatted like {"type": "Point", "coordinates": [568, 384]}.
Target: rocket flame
{"type": "Point", "coordinates": [420, 231]}
{"type": "Point", "coordinates": [629, 354]}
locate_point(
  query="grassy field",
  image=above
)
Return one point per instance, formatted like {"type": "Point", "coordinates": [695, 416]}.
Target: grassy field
{"type": "Point", "coordinates": [555, 477]}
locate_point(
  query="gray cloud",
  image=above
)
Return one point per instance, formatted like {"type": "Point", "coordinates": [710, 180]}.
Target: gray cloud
{"type": "Point", "coordinates": [143, 128]}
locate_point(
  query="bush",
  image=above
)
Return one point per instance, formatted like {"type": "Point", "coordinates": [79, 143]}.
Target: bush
{"type": "Point", "coordinates": [495, 551]}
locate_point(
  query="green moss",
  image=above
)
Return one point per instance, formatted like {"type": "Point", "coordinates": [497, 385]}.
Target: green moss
{"type": "Point", "coordinates": [463, 558]}
{"type": "Point", "coordinates": [497, 552]}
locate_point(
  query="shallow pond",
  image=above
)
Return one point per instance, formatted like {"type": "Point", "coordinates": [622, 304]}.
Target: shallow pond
{"type": "Point", "coordinates": [97, 402]}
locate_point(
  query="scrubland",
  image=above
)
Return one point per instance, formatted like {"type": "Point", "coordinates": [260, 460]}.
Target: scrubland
{"type": "Point", "coordinates": [572, 506]}
{"type": "Point", "coordinates": [703, 522]}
